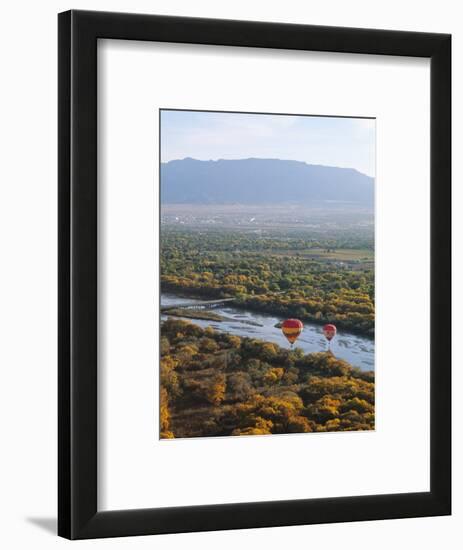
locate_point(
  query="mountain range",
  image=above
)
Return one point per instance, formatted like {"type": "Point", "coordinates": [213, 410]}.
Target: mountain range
{"type": "Point", "coordinates": [262, 181]}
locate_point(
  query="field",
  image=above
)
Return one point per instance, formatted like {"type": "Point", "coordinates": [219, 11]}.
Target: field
{"type": "Point", "coordinates": [340, 255]}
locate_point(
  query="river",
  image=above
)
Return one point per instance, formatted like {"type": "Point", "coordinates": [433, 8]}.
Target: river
{"type": "Point", "coordinates": [356, 350]}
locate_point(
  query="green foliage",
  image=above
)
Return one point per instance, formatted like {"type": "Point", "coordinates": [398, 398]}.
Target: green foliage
{"type": "Point", "coordinates": [281, 275]}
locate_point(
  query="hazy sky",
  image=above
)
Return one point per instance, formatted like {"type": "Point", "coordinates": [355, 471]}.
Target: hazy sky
{"type": "Point", "coordinates": [345, 142]}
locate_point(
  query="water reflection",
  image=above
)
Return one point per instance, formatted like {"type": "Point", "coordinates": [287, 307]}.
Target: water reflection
{"type": "Point", "coordinates": [357, 350]}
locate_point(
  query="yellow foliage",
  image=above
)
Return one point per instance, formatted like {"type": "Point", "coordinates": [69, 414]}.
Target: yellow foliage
{"type": "Point", "coordinates": [249, 387]}
{"type": "Point", "coordinates": [164, 411]}
{"type": "Point", "coordinates": [274, 375]}
{"type": "Point", "coordinates": [215, 392]}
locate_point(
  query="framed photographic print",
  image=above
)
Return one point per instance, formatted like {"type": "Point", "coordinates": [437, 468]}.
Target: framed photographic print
{"type": "Point", "coordinates": [259, 257]}
{"type": "Point", "coordinates": [254, 274]}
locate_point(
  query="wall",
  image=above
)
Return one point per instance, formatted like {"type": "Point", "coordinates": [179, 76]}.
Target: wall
{"type": "Point", "coordinates": [28, 270]}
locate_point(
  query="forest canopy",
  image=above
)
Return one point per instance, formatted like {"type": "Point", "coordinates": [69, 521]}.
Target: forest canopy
{"type": "Point", "coordinates": [218, 384]}
{"type": "Point", "coordinates": [319, 280]}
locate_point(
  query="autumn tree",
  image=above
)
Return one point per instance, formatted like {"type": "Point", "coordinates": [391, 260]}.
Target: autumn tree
{"type": "Point", "coordinates": [215, 390]}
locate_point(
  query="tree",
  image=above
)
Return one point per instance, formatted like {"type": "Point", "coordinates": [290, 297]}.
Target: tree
{"type": "Point", "coordinates": [261, 427]}
{"type": "Point", "coordinates": [169, 378]}
{"type": "Point", "coordinates": [165, 346]}
{"type": "Point", "coordinates": [239, 386]}
{"type": "Point", "coordinates": [164, 411]}
{"type": "Point", "coordinates": [249, 394]}
{"type": "Point", "coordinates": [187, 352]}
{"type": "Point", "coordinates": [215, 391]}
{"type": "Point", "coordinates": [208, 345]}
{"type": "Point", "coordinates": [273, 375]}
{"type": "Point", "coordinates": [234, 341]}
{"type": "Point", "coordinates": [299, 424]}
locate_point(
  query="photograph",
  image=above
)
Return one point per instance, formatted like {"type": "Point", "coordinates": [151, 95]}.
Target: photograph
{"type": "Point", "coordinates": [267, 260]}
{"type": "Point", "coordinates": [227, 275]}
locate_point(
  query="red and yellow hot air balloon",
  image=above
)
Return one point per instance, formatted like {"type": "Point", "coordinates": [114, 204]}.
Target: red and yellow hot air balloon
{"type": "Point", "coordinates": [292, 328]}
{"type": "Point", "coordinates": [329, 331]}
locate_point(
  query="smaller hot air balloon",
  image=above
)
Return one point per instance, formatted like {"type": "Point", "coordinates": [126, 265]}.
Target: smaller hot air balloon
{"type": "Point", "coordinates": [292, 328]}
{"type": "Point", "coordinates": [329, 331]}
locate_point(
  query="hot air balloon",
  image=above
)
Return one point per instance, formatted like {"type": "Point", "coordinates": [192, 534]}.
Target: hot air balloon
{"type": "Point", "coordinates": [292, 328]}
{"type": "Point", "coordinates": [329, 332]}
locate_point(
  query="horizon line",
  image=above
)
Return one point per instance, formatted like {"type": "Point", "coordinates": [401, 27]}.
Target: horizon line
{"type": "Point", "coordinates": [269, 158]}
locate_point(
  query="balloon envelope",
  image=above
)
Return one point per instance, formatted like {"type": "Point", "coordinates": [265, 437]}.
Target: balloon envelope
{"type": "Point", "coordinates": [329, 331]}
{"type": "Point", "coordinates": [292, 328]}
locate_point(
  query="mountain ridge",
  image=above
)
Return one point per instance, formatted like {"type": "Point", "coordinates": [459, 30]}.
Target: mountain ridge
{"type": "Point", "coordinates": [261, 181]}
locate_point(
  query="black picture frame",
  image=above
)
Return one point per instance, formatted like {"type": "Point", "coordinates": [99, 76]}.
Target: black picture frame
{"type": "Point", "coordinates": [78, 33]}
